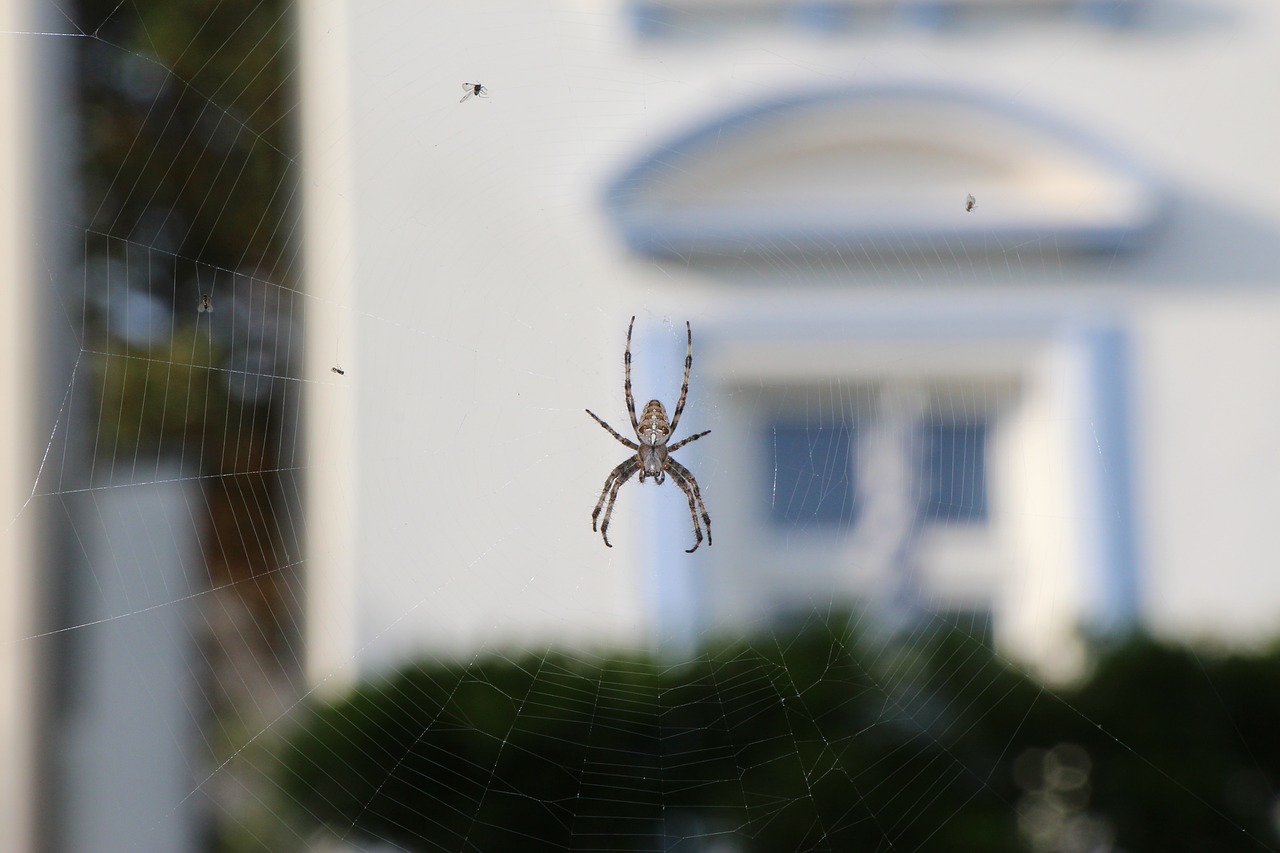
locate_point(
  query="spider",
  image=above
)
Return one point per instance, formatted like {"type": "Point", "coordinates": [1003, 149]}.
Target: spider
{"type": "Point", "coordinates": [653, 456]}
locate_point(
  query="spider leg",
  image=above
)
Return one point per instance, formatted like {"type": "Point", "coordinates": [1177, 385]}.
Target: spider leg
{"type": "Point", "coordinates": [689, 485]}
{"type": "Point", "coordinates": [693, 512]}
{"type": "Point", "coordinates": [625, 468]}
{"type": "Point", "coordinates": [684, 388]}
{"type": "Point", "coordinates": [620, 476]}
{"type": "Point", "coordinates": [626, 382]}
{"type": "Point", "coordinates": [682, 442]}
{"type": "Point", "coordinates": [613, 432]}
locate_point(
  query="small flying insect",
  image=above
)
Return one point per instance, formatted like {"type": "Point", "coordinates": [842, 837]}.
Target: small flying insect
{"type": "Point", "coordinates": [206, 304]}
{"type": "Point", "coordinates": [970, 203]}
{"type": "Point", "coordinates": [476, 89]}
{"type": "Point", "coordinates": [339, 371]}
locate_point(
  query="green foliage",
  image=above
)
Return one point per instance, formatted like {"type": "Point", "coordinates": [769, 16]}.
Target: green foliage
{"type": "Point", "coordinates": [188, 183]}
{"type": "Point", "coordinates": [1186, 747]}
{"type": "Point", "coordinates": [160, 396]}
{"type": "Point", "coordinates": [805, 742]}
{"type": "Point", "coordinates": [187, 112]}
{"type": "Point", "coordinates": [813, 741]}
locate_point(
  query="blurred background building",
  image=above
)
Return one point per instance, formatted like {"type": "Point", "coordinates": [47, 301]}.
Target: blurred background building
{"type": "Point", "coordinates": [1014, 414]}
{"type": "Point", "coordinates": [1045, 418]}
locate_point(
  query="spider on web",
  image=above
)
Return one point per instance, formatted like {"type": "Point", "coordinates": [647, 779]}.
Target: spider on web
{"type": "Point", "coordinates": [653, 456]}
{"type": "Point", "coordinates": [476, 89]}
{"type": "Point", "coordinates": [206, 304]}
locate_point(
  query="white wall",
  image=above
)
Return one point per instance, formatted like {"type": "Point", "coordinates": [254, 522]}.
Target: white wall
{"type": "Point", "coordinates": [478, 300]}
{"type": "Point", "coordinates": [1210, 465]}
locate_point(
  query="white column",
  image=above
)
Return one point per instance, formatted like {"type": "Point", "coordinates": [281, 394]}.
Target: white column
{"type": "Point", "coordinates": [19, 604]}
{"type": "Point", "coordinates": [331, 502]}
{"type": "Point", "coordinates": [889, 489]}
{"type": "Point", "coordinates": [128, 772]}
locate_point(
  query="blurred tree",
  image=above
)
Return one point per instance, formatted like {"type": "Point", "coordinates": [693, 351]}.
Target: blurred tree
{"type": "Point", "coordinates": [188, 178]}
{"type": "Point", "coordinates": [187, 107]}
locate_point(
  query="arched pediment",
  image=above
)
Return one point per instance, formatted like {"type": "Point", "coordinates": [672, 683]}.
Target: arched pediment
{"type": "Point", "coordinates": [890, 166]}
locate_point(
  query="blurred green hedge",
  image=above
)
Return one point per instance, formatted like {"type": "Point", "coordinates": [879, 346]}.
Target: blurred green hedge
{"type": "Point", "coordinates": [813, 740]}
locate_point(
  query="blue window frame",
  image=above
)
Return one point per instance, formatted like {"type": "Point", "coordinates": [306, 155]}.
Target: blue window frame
{"type": "Point", "coordinates": [954, 472]}
{"type": "Point", "coordinates": [812, 469]}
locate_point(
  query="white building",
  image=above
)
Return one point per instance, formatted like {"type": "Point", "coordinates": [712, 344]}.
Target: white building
{"type": "Point", "coordinates": [1045, 412]}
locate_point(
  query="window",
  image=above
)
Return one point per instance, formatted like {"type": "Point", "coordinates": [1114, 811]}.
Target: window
{"type": "Point", "coordinates": [812, 473]}
{"type": "Point", "coordinates": [954, 475]}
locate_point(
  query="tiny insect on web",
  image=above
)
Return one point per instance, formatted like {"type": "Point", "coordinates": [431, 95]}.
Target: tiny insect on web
{"type": "Point", "coordinates": [653, 456]}
{"type": "Point", "coordinates": [970, 203]}
{"type": "Point", "coordinates": [206, 303]}
{"type": "Point", "coordinates": [476, 89]}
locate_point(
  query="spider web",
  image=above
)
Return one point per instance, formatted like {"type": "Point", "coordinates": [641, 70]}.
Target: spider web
{"type": "Point", "coordinates": [316, 566]}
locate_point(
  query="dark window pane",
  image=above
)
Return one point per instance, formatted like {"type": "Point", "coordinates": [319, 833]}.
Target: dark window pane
{"type": "Point", "coordinates": [812, 473]}
{"type": "Point", "coordinates": [955, 472]}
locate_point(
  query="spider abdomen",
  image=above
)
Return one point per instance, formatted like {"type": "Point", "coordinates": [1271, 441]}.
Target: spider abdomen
{"type": "Point", "coordinates": [654, 428]}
